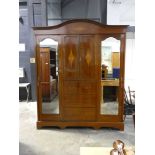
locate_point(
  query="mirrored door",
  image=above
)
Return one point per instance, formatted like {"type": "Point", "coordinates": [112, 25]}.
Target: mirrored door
{"type": "Point", "coordinates": [49, 76]}
{"type": "Point", "coordinates": [110, 75]}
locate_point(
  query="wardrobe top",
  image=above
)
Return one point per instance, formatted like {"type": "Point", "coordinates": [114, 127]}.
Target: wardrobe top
{"type": "Point", "coordinates": [83, 26]}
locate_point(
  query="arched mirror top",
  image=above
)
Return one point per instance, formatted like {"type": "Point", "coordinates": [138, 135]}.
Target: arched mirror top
{"type": "Point", "coordinates": [111, 42]}
{"type": "Point", "coordinates": [48, 42]}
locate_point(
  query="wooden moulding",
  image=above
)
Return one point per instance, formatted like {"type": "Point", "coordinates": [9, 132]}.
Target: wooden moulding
{"type": "Point", "coordinates": [95, 125]}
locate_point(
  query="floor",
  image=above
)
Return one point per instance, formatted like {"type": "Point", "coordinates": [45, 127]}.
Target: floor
{"type": "Point", "coordinates": [55, 141]}
{"type": "Point", "coordinates": [109, 108]}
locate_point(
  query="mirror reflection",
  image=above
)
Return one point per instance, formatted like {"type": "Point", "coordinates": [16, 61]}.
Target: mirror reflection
{"type": "Point", "coordinates": [110, 69]}
{"type": "Point", "coordinates": [49, 79]}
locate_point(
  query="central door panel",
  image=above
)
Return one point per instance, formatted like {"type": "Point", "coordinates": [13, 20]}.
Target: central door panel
{"type": "Point", "coordinates": [87, 58]}
{"type": "Point", "coordinates": [79, 90]}
{"type": "Point", "coordinates": [71, 58]}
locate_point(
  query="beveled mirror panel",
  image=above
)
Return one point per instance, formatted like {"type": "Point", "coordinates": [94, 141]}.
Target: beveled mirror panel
{"type": "Point", "coordinates": [110, 69]}
{"type": "Point", "coordinates": [49, 77]}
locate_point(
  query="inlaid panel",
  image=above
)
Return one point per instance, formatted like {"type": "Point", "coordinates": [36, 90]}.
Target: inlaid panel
{"type": "Point", "coordinates": [71, 57]}
{"type": "Point", "coordinates": [87, 57]}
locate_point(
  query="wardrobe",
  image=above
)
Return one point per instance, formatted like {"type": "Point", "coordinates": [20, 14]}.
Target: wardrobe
{"type": "Point", "coordinates": [80, 87]}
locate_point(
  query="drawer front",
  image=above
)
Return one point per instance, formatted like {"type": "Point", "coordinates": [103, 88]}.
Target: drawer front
{"type": "Point", "coordinates": [79, 114]}
{"type": "Point", "coordinates": [70, 87]}
{"type": "Point", "coordinates": [87, 87]}
{"type": "Point", "coordinates": [81, 100]}
{"type": "Point", "coordinates": [81, 87]}
{"type": "Point", "coordinates": [70, 100]}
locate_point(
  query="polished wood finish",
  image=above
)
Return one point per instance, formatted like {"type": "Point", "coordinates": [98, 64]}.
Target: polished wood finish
{"type": "Point", "coordinates": [79, 49]}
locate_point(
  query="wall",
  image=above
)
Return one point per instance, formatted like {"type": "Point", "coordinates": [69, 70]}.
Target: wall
{"type": "Point", "coordinates": [82, 9]}
{"type": "Point", "coordinates": [37, 17]}
{"type": "Point", "coordinates": [24, 39]}
{"type": "Point", "coordinates": [54, 12]}
{"type": "Point", "coordinates": [122, 13]}
{"type": "Point", "coordinates": [33, 13]}
{"type": "Point", "coordinates": [93, 9]}
{"type": "Point", "coordinates": [71, 9]}
{"type": "Point", "coordinates": [130, 62]}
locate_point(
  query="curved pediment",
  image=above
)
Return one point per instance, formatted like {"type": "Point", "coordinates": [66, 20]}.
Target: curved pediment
{"type": "Point", "coordinates": [83, 26]}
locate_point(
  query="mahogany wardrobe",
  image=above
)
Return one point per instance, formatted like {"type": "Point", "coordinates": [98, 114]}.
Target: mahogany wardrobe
{"type": "Point", "coordinates": [72, 89]}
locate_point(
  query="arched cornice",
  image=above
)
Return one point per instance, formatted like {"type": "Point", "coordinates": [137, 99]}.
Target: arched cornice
{"type": "Point", "coordinates": [80, 26]}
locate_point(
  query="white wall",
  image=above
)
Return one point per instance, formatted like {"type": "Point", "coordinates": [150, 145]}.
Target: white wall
{"type": "Point", "coordinates": [122, 13]}
{"type": "Point", "coordinates": [130, 64]}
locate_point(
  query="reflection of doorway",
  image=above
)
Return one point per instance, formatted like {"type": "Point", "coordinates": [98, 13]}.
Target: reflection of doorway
{"type": "Point", "coordinates": [48, 74]}
{"type": "Point", "coordinates": [49, 80]}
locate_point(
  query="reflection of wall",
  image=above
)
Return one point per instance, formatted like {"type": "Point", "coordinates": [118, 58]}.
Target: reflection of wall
{"type": "Point", "coordinates": [113, 43]}
{"type": "Point", "coordinates": [110, 53]}
{"type": "Point", "coordinates": [106, 57]}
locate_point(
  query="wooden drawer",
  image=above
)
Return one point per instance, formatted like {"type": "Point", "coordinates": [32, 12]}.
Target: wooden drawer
{"type": "Point", "coordinates": [70, 87]}
{"type": "Point", "coordinates": [81, 87]}
{"type": "Point", "coordinates": [87, 100]}
{"type": "Point", "coordinates": [70, 100]}
{"type": "Point", "coordinates": [87, 87]}
{"type": "Point", "coordinates": [79, 114]}
{"type": "Point", "coordinates": [81, 100]}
